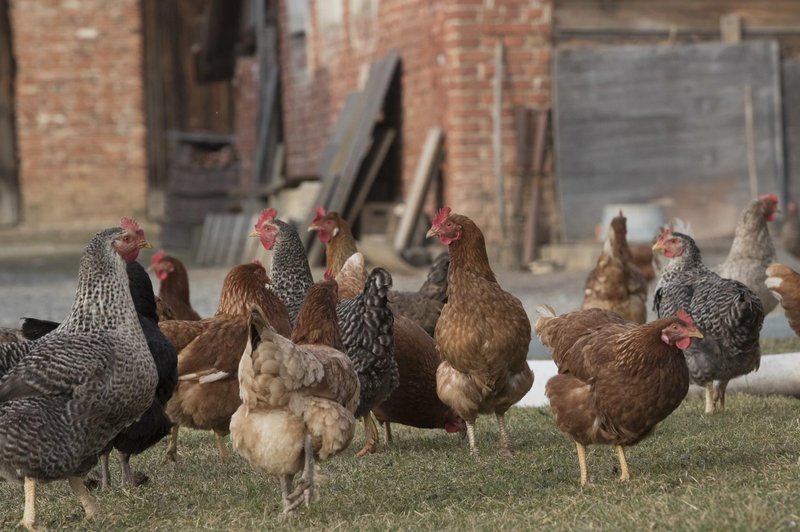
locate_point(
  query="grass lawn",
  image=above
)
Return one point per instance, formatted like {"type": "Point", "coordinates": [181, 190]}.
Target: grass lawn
{"type": "Point", "coordinates": [736, 470]}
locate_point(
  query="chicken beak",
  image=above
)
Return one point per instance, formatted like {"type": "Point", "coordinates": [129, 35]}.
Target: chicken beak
{"type": "Point", "coordinates": [658, 246]}
{"type": "Point", "coordinates": [313, 227]}
{"type": "Point", "coordinates": [254, 234]}
{"type": "Point", "coordinates": [696, 334]}
{"type": "Point", "coordinates": [145, 244]}
{"type": "Point", "coordinates": [433, 231]}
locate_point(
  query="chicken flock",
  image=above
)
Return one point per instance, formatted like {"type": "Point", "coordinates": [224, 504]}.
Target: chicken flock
{"type": "Point", "coordinates": [286, 365]}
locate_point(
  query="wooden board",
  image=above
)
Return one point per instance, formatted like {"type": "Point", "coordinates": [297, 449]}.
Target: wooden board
{"type": "Point", "coordinates": [10, 199]}
{"type": "Point", "coordinates": [353, 138]}
{"type": "Point", "coordinates": [429, 162]}
{"type": "Point", "coordinates": [791, 125]}
{"type": "Point", "coordinates": [645, 123]}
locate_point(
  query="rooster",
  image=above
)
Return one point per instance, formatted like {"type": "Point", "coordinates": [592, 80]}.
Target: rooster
{"type": "Point", "coordinates": [482, 334]}
{"type": "Point", "coordinates": [726, 311]}
{"type": "Point", "coordinates": [209, 352]}
{"type": "Point", "coordinates": [173, 290]}
{"type": "Point", "coordinates": [784, 283]}
{"type": "Point", "coordinates": [616, 283]}
{"type": "Point", "coordinates": [298, 396]}
{"type": "Point", "coordinates": [64, 396]}
{"type": "Point", "coordinates": [422, 306]}
{"type": "Point", "coordinates": [752, 249]}
{"type": "Point", "coordinates": [617, 379]}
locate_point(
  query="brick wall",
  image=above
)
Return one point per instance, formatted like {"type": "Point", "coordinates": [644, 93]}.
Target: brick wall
{"type": "Point", "coordinates": [80, 116]}
{"type": "Point", "coordinates": [447, 49]}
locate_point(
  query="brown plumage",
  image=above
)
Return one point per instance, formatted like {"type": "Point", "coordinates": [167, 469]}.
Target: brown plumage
{"type": "Point", "coordinates": [298, 396]}
{"type": "Point", "coordinates": [617, 379]}
{"type": "Point", "coordinates": [482, 334]}
{"type": "Point", "coordinates": [423, 306]}
{"type": "Point", "coordinates": [642, 256]}
{"type": "Point", "coordinates": [414, 402]}
{"type": "Point", "coordinates": [173, 287]}
{"type": "Point", "coordinates": [209, 352]}
{"type": "Point", "coordinates": [784, 283]}
{"type": "Point", "coordinates": [616, 283]}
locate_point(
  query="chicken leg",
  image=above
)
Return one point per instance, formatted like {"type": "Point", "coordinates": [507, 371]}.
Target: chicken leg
{"type": "Point", "coordinates": [505, 441]}
{"type": "Point", "coordinates": [582, 464]}
{"type": "Point", "coordinates": [710, 403]}
{"type": "Point", "coordinates": [129, 477]}
{"type": "Point", "coordinates": [87, 501]}
{"type": "Point", "coordinates": [222, 450]}
{"type": "Point", "coordinates": [625, 475]}
{"type": "Point", "coordinates": [172, 450]}
{"type": "Point", "coordinates": [473, 448]}
{"type": "Point", "coordinates": [105, 474]}
{"type": "Point", "coordinates": [286, 490]}
{"type": "Point", "coordinates": [719, 394]}
{"type": "Point", "coordinates": [29, 515]}
{"type": "Point", "coordinates": [371, 434]}
{"type": "Point", "coordinates": [387, 433]}
{"type": "Point", "coordinates": [307, 490]}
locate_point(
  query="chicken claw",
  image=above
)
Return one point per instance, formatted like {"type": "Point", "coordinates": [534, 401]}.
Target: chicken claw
{"type": "Point", "coordinates": [307, 490]}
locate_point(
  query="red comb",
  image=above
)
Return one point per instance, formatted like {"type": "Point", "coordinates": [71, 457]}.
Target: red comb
{"type": "Point", "coordinates": [267, 215]}
{"type": "Point", "coordinates": [320, 214]}
{"type": "Point", "coordinates": [665, 233]}
{"type": "Point", "coordinates": [157, 257]}
{"type": "Point", "coordinates": [130, 224]}
{"type": "Point", "coordinates": [769, 197]}
{"type": "Point", "coordinates": [684, 317]}
{"type": "Point", "coordinates": [441, 216]}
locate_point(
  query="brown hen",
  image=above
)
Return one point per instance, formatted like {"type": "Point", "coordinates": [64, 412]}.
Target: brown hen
{"type": "Point", "coordinates": [616, 283]}
{"type": "Point", "coordinates": [209, 352]}
{"type": "Point", "coordinates": [422, 306]}
{"type": "Point", "coordinates": [173, 289]}
{"type": "Point", "coordinates": [784, 283]}
{"type": "Point", "coordinates": [482, 334]}
{"type": "Point", "coordinates": [617, 379]}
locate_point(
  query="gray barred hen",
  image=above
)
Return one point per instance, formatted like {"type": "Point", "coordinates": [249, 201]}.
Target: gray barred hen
{"type": "Point", "coordinates": [65, 396]}
{"type": "Point", "coordinates": [728, 313]}
{"type": "Point", "coordinates": [752, 249]}
{"type": "Point", "coordinates": [366, 321]}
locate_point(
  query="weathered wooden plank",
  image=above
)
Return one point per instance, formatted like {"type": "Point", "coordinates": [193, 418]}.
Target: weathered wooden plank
{"type": "Point", "coordinates": [354, 142]}
{"type": "Point", "coordinates": [10, 197]}
{"type": "Point", "coordinates": [791, 124]}
{"type": "Point", "coordinates": [372, 165]}
{"type": "Point", "coordinates": [429, 161]}
{"type": "Point", "coordinates": [640, 123]}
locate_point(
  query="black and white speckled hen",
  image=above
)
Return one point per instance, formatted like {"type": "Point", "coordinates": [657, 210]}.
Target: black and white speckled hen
{"type": "Point", "coordinates": [154, 424]}
{"type": "Point", "coordinates": [65, 396]}
{"type": "Point", "coordinates": [728, 314]}
{"type": "Point", "coordinates": [366, 321]}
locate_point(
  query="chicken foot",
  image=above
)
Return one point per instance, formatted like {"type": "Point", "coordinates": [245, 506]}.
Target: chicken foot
{"type": "Point", "coordinates": [307, 489]}
{"type": "Point", "coordinates": [129, 477]}
{"type": "Point", "coordinates": [710, 403]}
{"type": "Point", "coordinates": [625, 474]}
{"type": "Point", "coordinates": [222, 450]}
{"type": "Point", "coordinates": [87, 501]}
{"type": "Point", "coordinates": [582, 464]}
{"type": "Point", "coordinates": [29, 515]}
{"type": "Point", "coordinates": [371, 434]}
{"type": "Point", "coordinates": [286, 490]}
{"type": "Point", "coordinates": [505, 442]}
{"type": "Point", "coordinates": [172, 450]}
{"type": "Point", "coordinates": [719, 394]}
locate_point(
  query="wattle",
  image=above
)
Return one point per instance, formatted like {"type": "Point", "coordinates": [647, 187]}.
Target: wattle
{"type": "Point", "coordinates": [683, 343]}
{"type": "Point", "coordinates": [324, 236]}
{"type": "Point", "coordinates": [132, 256]}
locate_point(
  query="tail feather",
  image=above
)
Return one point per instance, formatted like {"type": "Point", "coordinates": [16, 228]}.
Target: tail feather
{"type": "Point", "coordinates": [33, 329]}
{"type": "Point", "coordinates": [435, 286]}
